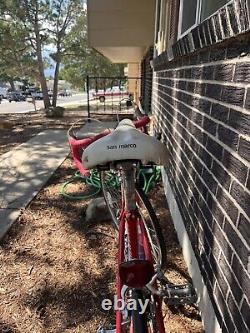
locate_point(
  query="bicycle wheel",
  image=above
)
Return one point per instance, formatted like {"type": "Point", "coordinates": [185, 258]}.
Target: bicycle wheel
{"type": "Point", "coordinates": [143, 322]}
{"type": "Point", "coordinates": [111, 188]}
{"type": "Point", "coordinates": [139, 320]}
{"type": "Point", "coordinates": [153, 228]}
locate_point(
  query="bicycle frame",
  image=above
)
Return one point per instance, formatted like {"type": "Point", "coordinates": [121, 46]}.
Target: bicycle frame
{"type": "Point", "coordinates": [137, 270]}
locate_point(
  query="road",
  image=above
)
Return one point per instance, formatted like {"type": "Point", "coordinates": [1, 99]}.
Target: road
{"type": "Point", "coordinates": [22, 107]}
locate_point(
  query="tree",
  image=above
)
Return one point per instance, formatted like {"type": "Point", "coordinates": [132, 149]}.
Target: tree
{"type": "Point", "coordinates": [80, 61]}
{"type": "Point", "coordinates": [31, 17]}
{"type": "Point", "coordinates": [16, 59]}
{"type": "Point", "coordinates": [64, 17]}
{"type": "Point", "coordinates": [32, 25]}
{"type": "Point", "coordinates": [43, 22]}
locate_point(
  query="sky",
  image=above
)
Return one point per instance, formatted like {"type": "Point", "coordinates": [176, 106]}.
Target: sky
{"type": "Point", "coordinates": [50, 70]}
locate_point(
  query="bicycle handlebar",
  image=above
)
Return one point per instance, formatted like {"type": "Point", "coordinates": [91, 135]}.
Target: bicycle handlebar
{"type": "Point", "coordinates": [77, 145]}
{"type": "Point", "coordinates": [142, 122]}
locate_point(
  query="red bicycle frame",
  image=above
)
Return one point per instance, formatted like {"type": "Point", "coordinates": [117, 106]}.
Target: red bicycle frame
{"type": "Point", "coordinates": [138, 271]}
{"type": "Point", "coordinates": [76, 146]}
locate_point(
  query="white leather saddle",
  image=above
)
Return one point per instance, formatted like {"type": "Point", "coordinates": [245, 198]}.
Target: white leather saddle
{"type": "Point", "coordinates": [125, 143]}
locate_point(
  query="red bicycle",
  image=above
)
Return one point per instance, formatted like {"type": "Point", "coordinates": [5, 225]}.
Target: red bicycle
{"type": "Point", "coordinates": [140, 283]}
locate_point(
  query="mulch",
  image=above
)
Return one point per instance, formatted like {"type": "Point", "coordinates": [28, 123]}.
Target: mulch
{"type": "Point", "coordinates": [21, 127]}
{"type": "Point", "coordinates": [56, 269]}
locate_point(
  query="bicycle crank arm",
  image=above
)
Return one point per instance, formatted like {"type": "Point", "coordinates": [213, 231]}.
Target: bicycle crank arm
{"type": "Point", "coordinates": [104, 330]}
{"type": "Point", "coordinates": [111, 328]}
{"type": "Point", "coordinates": [179, 294]}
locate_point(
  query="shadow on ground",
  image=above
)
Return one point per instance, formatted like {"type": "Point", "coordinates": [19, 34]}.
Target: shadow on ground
{"type": "Point", "coordinates": [56, 269]}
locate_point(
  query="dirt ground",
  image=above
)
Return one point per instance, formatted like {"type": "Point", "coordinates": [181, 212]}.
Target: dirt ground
{"type": "Point", "coordinates": [55, 269]}
{"type": "Point", "coordinates": [21, 127]}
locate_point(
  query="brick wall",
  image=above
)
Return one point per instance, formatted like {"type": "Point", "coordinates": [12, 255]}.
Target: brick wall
{"type": "Point", "coordinates": [146, 83]}
{"type": "Point", "coordinates": [201, 102]}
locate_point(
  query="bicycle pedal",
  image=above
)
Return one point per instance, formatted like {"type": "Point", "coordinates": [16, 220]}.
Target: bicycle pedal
{"type": "Point", "coordinates": [179, 294]}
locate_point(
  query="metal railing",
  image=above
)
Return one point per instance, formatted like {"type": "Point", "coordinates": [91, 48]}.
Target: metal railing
{"type": "Point", "coordinates": [109, 94]}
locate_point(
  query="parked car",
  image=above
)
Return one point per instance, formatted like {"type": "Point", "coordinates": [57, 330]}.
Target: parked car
{"type": "Point", "coordinates": [15, 96]}
{"type": "Point", "coordinates": [28, 92]}
{"type": "Point", "coordinates": [64, 93]}
{"type": "Point", "coordinates": [37, 95]}
{"type": "Point", "coordinates": [115, 91]}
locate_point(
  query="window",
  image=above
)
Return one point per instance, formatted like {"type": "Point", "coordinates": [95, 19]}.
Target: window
{"type": "Point", "coordinates": [161, 24]}
{"type": "Point", "coordinates": [192, 12]}
{"type": "Point", "coordinates": [165, 24]}
{"type": "Point", "coordinates": [158, 18]}
{"type": "Point", "coordinates": [211, 6]}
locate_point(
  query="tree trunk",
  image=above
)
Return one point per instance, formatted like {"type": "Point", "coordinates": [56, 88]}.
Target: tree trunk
{"type": "Point", "coordinates": [12, 85]}
{"type": "Point", "coordinates": [43, 82]}
{"type": "Point", "coordinates": [42, 78]}
{"type": "Point", "coordinates": [55, 85]}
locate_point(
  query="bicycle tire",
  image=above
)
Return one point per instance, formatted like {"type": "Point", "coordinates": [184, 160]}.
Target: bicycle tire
{"type": "Point", "coordinates": [112, 197]}
{"type": "Point", "coordinates": [112, 194]}
{"type": "Point", "coordinates": [155, 224]}
{"type": "Point", "coordinates": [142, 322]}
{"type": "Point", "coordinates": [139, 320]}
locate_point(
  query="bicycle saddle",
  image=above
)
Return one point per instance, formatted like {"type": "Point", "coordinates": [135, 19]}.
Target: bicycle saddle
{"type": "Point", "coordinates": [125, 143]}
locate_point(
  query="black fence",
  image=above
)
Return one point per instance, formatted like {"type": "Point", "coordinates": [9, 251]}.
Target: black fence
{"type": "Point", "coordinates": [112, 94]}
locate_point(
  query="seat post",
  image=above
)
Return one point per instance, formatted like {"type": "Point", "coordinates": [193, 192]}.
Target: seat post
{"type": "Point", "coordinates": [128, 172]}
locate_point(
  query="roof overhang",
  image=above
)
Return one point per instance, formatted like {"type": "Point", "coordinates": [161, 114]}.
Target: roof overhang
{"type": "Point", "coordinates": [122, 30]}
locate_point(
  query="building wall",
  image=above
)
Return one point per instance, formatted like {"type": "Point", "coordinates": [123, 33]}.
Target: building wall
{"type": "Point", "coordinates": [146, 81]}
{"type": "Point", "coordinates": [201, 103]}
{"type": "Point", "coordinates": [134, 83]}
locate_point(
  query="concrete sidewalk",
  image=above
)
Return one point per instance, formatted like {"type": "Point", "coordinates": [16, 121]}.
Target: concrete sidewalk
{"type": "Point", "coordinates": [24, 171]}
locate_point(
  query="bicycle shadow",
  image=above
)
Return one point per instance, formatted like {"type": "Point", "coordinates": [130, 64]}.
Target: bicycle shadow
{"type": "Point", "coordinates": [6, 328]}
{"type": "Point", "coordinates": [67, 291]}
